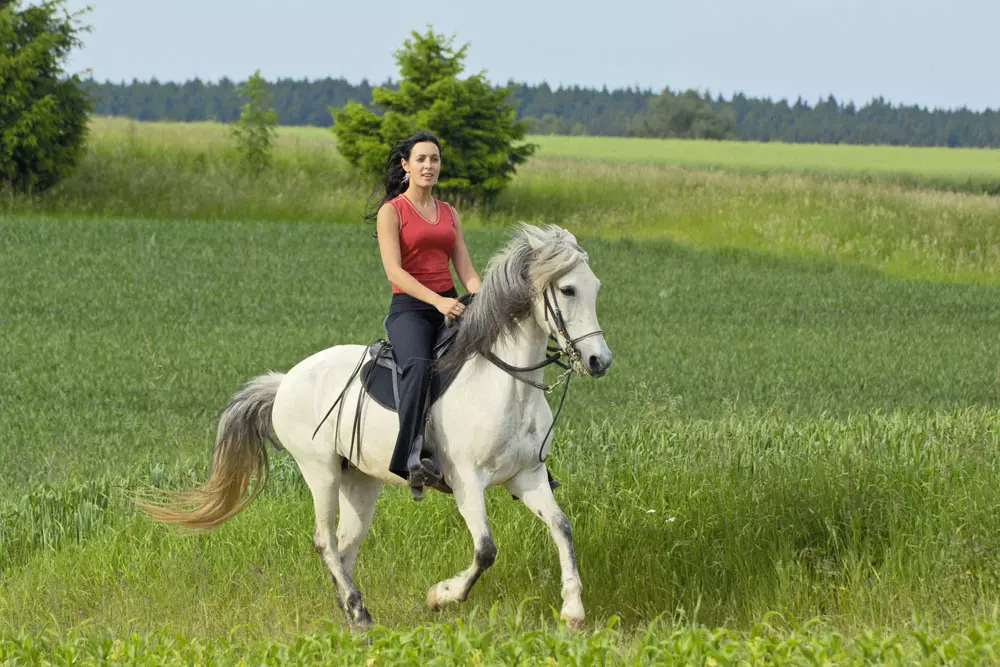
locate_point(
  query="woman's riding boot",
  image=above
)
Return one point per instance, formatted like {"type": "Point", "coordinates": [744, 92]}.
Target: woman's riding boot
{"type": "Point", "coordinates": [422, 471]}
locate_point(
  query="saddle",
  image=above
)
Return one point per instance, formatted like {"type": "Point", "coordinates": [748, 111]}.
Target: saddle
{"type": "Point", "coordinates": [380, 374]}
{"type": "Point", "coordinates": [380, 381]}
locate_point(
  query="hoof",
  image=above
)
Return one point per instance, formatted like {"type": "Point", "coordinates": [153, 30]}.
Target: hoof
{"type": "Point", "coordinates": [432, 598]}
{"type": "Point", "coordinates": [574, 623]}
{"type": "Point", "coordinates": [363, 623]}
{"type": "Point", "coordinates": [360, 627]}
{"type": "Point", "coordinates": [357, 614]}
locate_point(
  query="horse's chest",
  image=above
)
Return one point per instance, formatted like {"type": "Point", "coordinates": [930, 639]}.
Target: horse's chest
{"type": "Point", "coordinates": [501, 440]}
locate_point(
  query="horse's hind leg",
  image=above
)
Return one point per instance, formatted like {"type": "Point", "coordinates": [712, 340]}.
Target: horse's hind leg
{"type": "Point", "coordinates": [358, 493]}
{"type": "Point", "coordinates": [532, 486]}
{"type": "Point", "coordinates": [472, 506]}
{"type": "Point", "coordinates": [323, 482]}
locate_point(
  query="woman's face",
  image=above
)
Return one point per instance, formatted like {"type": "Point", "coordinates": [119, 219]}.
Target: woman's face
{"type": "Point", "coordinates": [424, 164]}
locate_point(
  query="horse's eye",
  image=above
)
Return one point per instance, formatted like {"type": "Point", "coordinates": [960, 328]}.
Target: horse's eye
{"type": "Point", "coordinates": [568, 291]}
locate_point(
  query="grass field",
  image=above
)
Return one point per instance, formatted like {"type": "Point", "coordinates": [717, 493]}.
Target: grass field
{"type": "Point", "coordinates": [794, 458]}
{"type": "Point", "coordinates": [963, 169]}
{"type": "Point", "coordinates": [970, 170]}
{"type": "Point", "coordinates": [172, 172]}
{"type": "Point", "coordinates": [776, 435]}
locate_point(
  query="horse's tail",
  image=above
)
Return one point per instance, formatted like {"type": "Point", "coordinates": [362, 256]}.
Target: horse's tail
{"type": "Point", "coordinates": [239, 454]}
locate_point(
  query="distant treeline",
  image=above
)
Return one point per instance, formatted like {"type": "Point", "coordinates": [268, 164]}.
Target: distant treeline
{"type": "Point", "coordinates": [586, 111]}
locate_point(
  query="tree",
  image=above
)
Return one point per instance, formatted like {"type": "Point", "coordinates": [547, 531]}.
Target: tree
{"type": "Point", "coordinates": [477, 127]}
{"type": "Point", "coordinates": [255, 131]}
{"type": "Point", "coordinates": [43, 112]}
{"type": "Point", "coordinates": [685, 116]}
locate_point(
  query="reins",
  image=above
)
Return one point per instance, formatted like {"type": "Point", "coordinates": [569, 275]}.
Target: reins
{"type": "Point", "coordinates": [549, 359]}
{"type": "Point", "coordinates": [554, 355]}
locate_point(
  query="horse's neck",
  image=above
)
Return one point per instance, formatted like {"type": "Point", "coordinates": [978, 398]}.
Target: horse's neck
{"type": "Point", "coordinates": [526, 347]}
{"type": "Point", "coordinates": [498, 398]}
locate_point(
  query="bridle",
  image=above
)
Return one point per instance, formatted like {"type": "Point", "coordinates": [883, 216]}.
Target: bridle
{"type": "Point", "coordinates": [554, 354]}
{"type": "Point", "coordinates": [552, 308]}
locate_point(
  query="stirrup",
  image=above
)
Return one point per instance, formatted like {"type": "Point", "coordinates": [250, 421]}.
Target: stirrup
{"type": "Point", "coordinates": [426, 475]}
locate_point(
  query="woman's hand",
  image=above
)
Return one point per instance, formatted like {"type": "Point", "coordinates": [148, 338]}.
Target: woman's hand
{"type": "Point", "coordinates": [450, 307]}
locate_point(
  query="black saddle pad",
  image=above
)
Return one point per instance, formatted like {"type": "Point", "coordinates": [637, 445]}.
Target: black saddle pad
{"type": "Point", "coordinates": [376, 373]}
{"type": "Point", "coordinates": [377, 381]}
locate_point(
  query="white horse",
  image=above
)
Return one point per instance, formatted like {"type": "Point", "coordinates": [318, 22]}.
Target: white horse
{"type": "Point", "coordinates": [486, 429]}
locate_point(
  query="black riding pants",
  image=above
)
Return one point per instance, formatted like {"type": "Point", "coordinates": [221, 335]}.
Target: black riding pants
{"type": "Point", "coordinates": [412, 327]}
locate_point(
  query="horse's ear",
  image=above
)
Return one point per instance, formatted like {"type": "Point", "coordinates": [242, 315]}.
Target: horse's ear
{"type": "Point", "coordinates": [535, 242]}
{"type": "Point", "coordinates": [531, 234]}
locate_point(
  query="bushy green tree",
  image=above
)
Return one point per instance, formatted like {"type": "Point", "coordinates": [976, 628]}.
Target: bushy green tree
{"type": "Point", "coordinates": [255, 131]}
{"type": "Point", "coordinates": [43, 111]}
{"type": "Point", "coordinates": [481, 138]}
{"type": "Point", "coordinates": [684, 116]}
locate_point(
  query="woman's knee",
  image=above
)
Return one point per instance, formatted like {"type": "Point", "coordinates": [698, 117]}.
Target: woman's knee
{"type": "Point", "coordinates": [418, 366]}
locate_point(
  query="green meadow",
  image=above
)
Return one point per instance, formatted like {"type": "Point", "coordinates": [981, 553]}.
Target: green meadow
{"type": "Point", "coordinates": [793, 459]}
{"type": "Point", "coordinates": [962, 169]}
{"type": "Point", "coordinates": [164, 171]}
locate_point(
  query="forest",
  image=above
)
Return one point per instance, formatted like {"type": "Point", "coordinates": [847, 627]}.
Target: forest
{"type": "Point", "coordinates": [575, 110]}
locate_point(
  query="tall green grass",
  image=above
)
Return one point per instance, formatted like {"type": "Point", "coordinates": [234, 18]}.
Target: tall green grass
{"type": "Point", "coordinates": [972, 170]}
{"type": "Point", "coordinates": [180, 172]}
{"type": "Point", "coordinates": [117, 332]}
{"type": "Point", "coordinates": [507, 644]}
{"type": "Point", "coordinates": [960, 169]}
{"type": "Point", "coordinates": [911, 233]}
{"type": "Point", "coordinates": [775, 435]}
{"type": "Point", "coordinates": [878, 520]}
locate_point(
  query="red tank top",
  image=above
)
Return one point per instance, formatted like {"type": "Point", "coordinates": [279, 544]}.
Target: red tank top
{"type": "Point", "coordinates": [425, 246]}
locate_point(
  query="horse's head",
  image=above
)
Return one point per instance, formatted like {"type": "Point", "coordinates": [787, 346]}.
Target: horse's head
{"type": "Point", "coordinates": [565, 298]}
{"type": "Point", "coordinates": [542, 275]}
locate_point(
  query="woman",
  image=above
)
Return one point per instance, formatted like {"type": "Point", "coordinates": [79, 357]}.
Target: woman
{"type": "Point", "coordinates": [418, 236]}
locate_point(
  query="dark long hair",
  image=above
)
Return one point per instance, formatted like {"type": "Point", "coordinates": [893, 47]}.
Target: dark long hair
{"type": "Point", "coordinates": [392, 179]}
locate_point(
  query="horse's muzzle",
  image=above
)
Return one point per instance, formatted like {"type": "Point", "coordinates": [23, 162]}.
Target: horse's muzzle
{"type": "Point", "coordinates": [597, 364]}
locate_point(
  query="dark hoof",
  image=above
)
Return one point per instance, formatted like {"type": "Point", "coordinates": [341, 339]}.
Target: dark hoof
{"type": "Point", "coordinates": [363, 620]}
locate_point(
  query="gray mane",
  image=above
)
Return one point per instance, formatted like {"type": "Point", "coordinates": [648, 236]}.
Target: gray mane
{"type": "Point", "coordinates": [532, 259]}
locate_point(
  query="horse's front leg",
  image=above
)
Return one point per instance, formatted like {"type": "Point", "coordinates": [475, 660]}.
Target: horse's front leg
{"type": "Point", "coordinates": [472, 506]}
{"type": "Point", "coordinates": [532, 486]}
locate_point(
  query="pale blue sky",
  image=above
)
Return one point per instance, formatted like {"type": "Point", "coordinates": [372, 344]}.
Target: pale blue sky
{"type": "Point", "coordinates": [937, 53]}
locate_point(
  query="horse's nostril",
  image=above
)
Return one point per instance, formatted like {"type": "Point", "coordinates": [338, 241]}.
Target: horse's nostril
{"type": "Point", "coordinates": [593, 363]}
